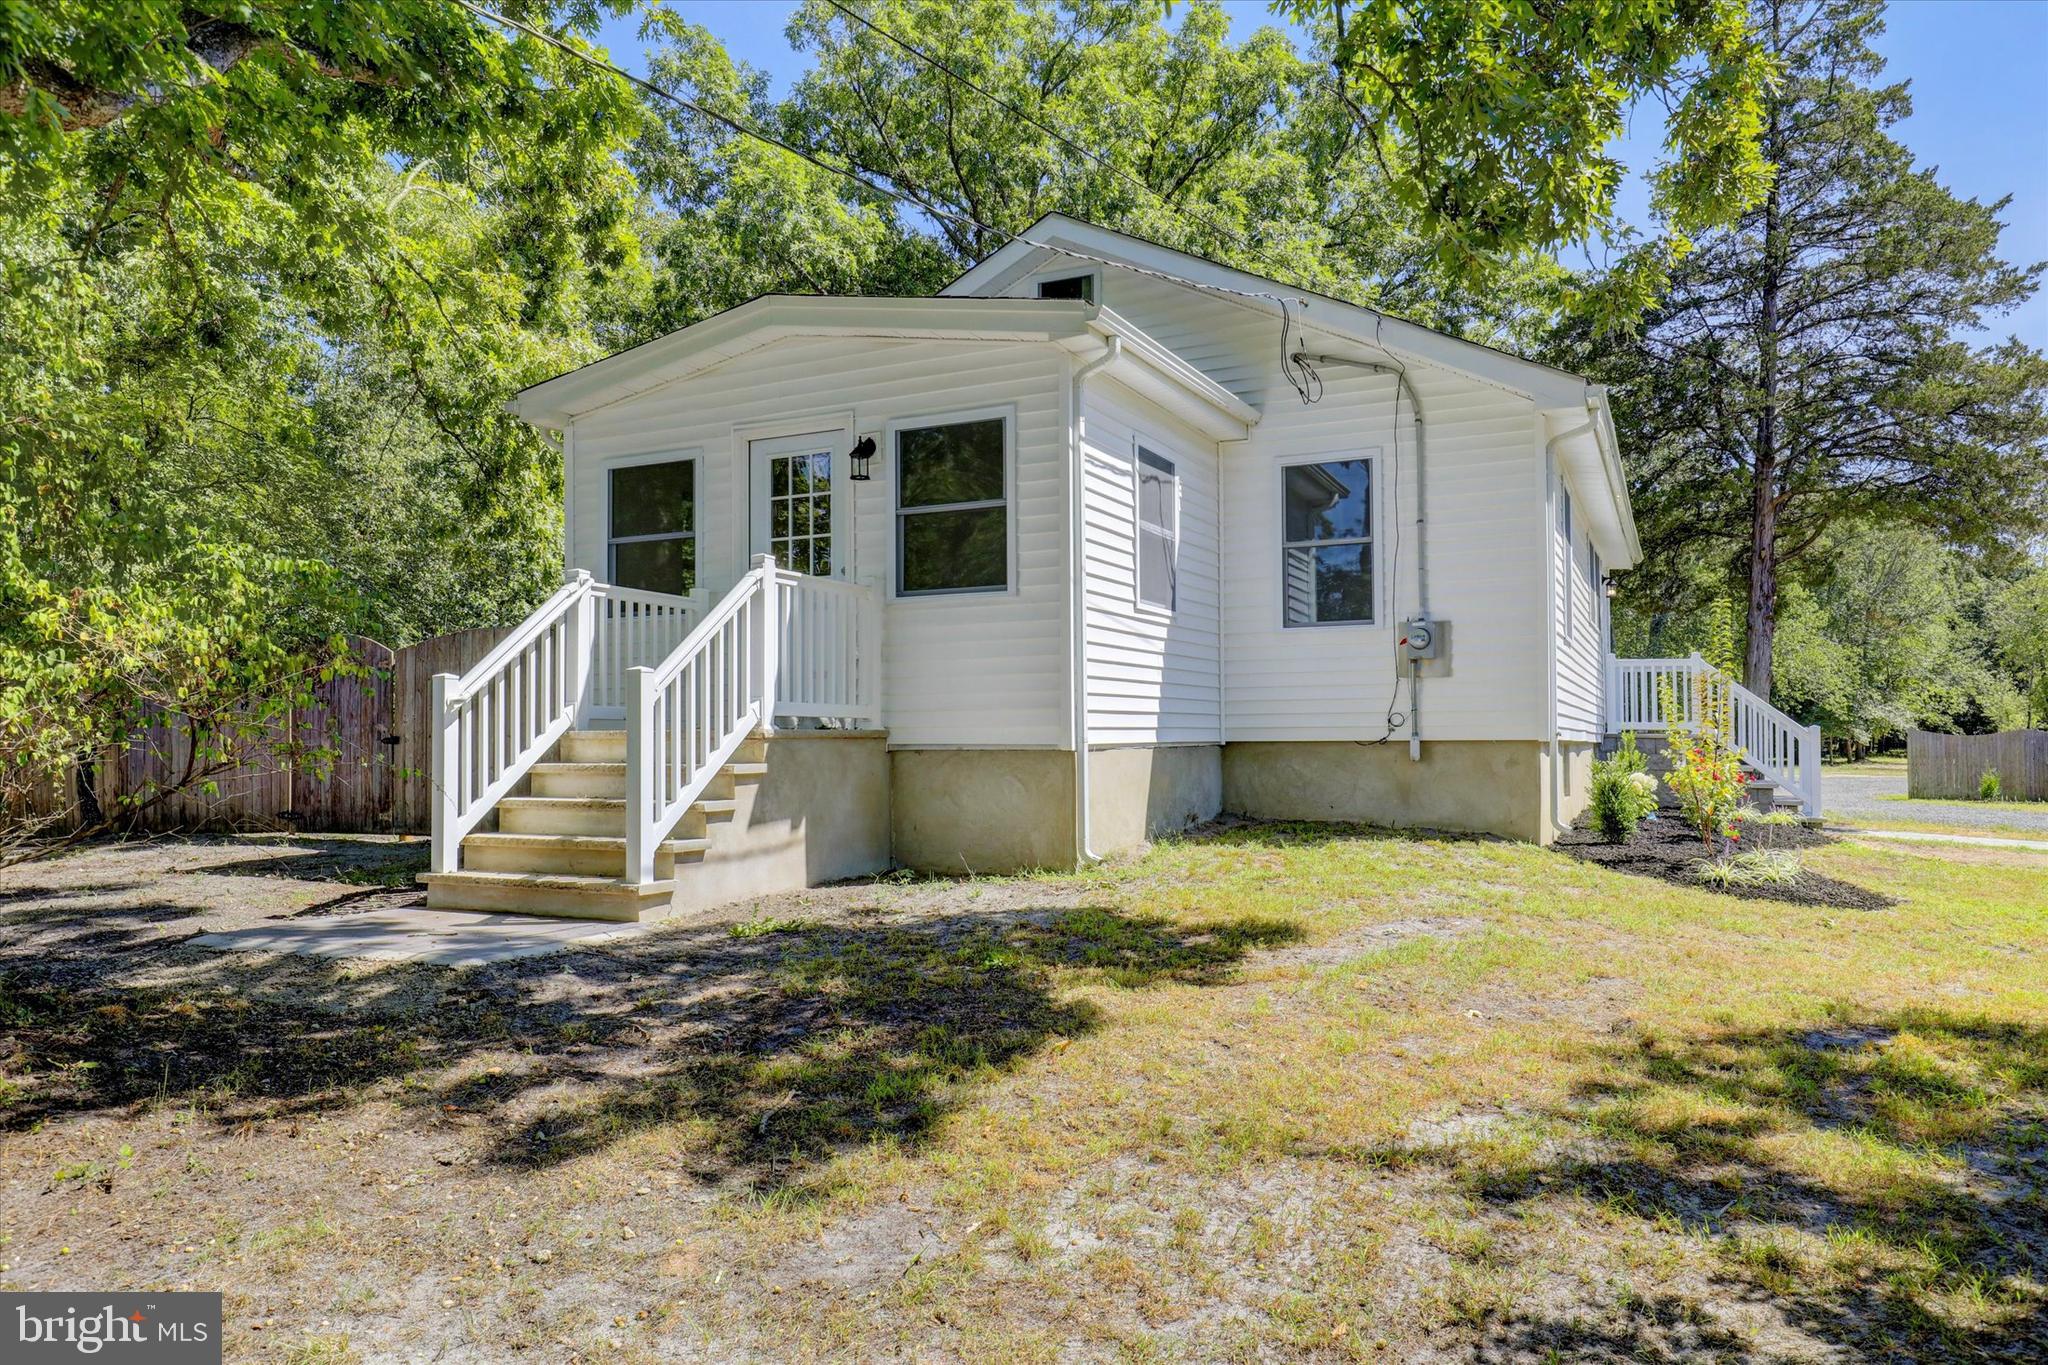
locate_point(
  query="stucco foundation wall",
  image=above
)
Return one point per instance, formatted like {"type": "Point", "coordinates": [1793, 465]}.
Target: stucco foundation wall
{"type": "Point", "coordinates": [820, 813]}
{"type": "Point", "coordinates": [1139, 792]}
{"type": "Point", "coordinates": [982, 810]}
{"type": "Point", "coordinates": [1574, 784]}
{"type": "Point", "coordinates": [1480, 786]}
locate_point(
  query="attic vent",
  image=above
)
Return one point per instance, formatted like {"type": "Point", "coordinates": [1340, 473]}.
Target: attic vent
{"type": "Point", "coordinates": [1080, 287]}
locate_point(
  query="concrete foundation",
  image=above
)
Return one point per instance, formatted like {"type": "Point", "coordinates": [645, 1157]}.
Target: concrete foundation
{"type": "Point", "coordinates": [818, 813]}
{"type": "Point", "coordinates": [1141, 792]}
{"type": "Point", "coordinates": [1478, 786]}
{"type": "Point", "coordinates": [982, 810]}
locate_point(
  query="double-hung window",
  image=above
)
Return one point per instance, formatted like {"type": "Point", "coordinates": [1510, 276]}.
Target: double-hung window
{"type": "Point", "coordinates": [651, 526]}
{"type": "Point", "coordinates": [952, 507]}
{"type": "Point", "coordinates": [1158, 531]}
{"type": "Point", "coordinates": [1326, 554]}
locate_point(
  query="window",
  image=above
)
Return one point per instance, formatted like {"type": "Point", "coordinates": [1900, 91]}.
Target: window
{"type": "Point", "coordinates": [800, 512]}
{"type": "Point", "coordinates": [1080, 287]}
{"type": "Point", "coordinates": [952, 507]}
{"type": "Point", "coordinates": [1593, 577]}
{"type": "Point", "coordinates": [1158, 531]}
{"type": "Point", "coordinates": [651, 530]}
{"type": "Point", "coordinates": [1326, 551]}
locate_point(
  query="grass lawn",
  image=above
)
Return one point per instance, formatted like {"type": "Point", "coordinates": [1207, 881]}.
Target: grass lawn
{"type": "Point", "coordinates": [1278, 1092]}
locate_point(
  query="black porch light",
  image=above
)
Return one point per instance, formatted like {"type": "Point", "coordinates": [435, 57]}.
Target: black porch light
{"type": "Point", "coordinates": [862, 452]}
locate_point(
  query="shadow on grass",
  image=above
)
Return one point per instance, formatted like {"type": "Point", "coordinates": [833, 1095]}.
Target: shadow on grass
{"type": "Point", "coordinates": [1883, 1181]}
{"type": "Point", "coordinates": [773, 1046]}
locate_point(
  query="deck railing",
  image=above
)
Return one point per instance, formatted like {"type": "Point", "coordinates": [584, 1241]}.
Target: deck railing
{"type": "Point", "coordinates": [829, 660]}
{"type": "Point", "coordinates": [1771, 742]}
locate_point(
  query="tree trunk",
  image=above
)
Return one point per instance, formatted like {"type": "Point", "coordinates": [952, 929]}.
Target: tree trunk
{"type": "Point", "coordinates": [1761, 621]}
{"type": "Point", "coordinates": [85, 773]}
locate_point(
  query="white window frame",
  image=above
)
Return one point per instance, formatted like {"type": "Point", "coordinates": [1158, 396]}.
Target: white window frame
{"type": "Point", "coordinates": [1596, 601]}
{"type": "Point", "coordinates": [1571, 559]}
{"type": "Point", "coordinates": [1377, 517]}
{"type": "Point", "coordinates": [1141, 446]}
{"type": "Point", "coordinates": [693, 455]}
{"type": "Point", "coordinates": [1093, 275]}
{"type": "Point", "coordinates": [1007, 413]}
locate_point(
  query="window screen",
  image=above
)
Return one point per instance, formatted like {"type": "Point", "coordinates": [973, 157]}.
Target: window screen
{"type": "Point", "coordinates": [1158, 531]}
{"type": "Point", "coordinates": [1326, 560]}
{"type": "Point", "coordinates": [952, 508]}
{"type": "Point", "coordinates": [651, 536]}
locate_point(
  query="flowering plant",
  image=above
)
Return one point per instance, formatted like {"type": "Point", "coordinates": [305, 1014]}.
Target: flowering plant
{"type": "Point", "coordinates": [1707, 774]}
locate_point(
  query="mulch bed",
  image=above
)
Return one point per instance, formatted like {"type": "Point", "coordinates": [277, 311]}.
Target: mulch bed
{"type": "Point", "coordinates": [1667, 848]}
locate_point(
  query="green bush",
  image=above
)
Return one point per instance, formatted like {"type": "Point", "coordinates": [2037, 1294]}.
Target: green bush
{"type": "Point", "coordinates": [1624, 793]}
{"type": "Point", "coordinates": [1762, 867]}
{"type": "Point", "coordinates": [1988, 786]}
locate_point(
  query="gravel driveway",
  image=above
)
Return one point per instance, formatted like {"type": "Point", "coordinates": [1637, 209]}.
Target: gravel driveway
{"type": "Point", "coordinates": [1859, 799]}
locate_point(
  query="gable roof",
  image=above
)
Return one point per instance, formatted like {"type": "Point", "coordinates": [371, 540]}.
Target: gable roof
{"type": "Point", "coordinates": [1575, 408]}
{"type": "Point", "coordinates": [1141, 363]}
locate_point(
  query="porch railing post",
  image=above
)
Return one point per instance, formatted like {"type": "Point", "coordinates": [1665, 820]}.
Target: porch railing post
{"type": "Point", "coordinates": [582, 645]}
{"type": "Point", "coordinates": [447, 761]}
{"type": "Point", "coordinates": [768, 641]}
{"type": "Point", "coordinates": [641, 746]}
{"type": "Point", "coordinates": [1809, 774]}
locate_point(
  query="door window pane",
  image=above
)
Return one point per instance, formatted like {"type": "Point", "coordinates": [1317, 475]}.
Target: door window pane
{"type": "Point", "coordinates": [800, 511]}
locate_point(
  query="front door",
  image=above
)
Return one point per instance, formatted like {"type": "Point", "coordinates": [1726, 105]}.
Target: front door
{"type": "Point", "coordinates": [796, 512]}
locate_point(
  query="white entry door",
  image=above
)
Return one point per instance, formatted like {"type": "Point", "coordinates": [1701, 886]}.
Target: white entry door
{"type": "Point", "coordinates": [797, 511]}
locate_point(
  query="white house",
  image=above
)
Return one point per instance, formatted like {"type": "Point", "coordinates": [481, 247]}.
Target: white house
{"type": "Point", "coordinates": [1069, 555]}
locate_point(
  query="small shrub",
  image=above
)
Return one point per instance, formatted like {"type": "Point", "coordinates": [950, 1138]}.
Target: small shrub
{"type": "Point", "coordinates": [1624, 793]}
{"type": "Point", "coordinates": [1708, 776]}
{"type": "Point", "coordinates": [1988, 786]}
{"type": "Point", "coordinates": [1760, 867]}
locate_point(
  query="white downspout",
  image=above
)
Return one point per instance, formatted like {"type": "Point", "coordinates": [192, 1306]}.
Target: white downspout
{"type": "Point", "coordinates": [1551, 480]}
{"type": "Point", "coordinates": [1077, 608]}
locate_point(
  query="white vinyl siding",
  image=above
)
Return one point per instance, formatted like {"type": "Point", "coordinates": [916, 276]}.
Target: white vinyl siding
{"type": "Point", "coordinates": [974, 669]}
{"type": "Point", "coordinates": [1152, 675]}
{"type": "Point", "coordinates": [1581, 658]}
{"type": "Point", "coordinates": [1488, 533]}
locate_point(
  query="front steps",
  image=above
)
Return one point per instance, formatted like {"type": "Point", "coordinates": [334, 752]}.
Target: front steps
{"type": "Point", "coordinates": [561, 849]}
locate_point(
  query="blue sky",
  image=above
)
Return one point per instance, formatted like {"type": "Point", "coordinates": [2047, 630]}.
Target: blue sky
{"type": "Point", "coordinates": [1979, 73]}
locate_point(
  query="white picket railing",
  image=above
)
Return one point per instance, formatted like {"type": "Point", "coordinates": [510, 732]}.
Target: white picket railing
{"type": "Point", "coordinates": [1771, 742]}
{"type": "Point", "coordinates": [497, 720]}
{"type": "Point", "coordinates": [829, 660]}
{"type": "Point", "coordinates": [492, 723]}
{"type": "Point", "coordinates": [635, 629]}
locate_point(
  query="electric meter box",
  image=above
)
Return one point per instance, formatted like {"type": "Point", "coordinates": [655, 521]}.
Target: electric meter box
{"type": "Point", "coordinates": [1422, 639]}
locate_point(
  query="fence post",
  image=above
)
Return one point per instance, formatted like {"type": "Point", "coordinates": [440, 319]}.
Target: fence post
{"type": "Point", "coordinates": [868, 653]}
{"type": "Point", "coordinates": [447, 758]}
{"type": "Point", "coordinates": [582, 644]}
{"type": "Point", "coordinates": [768, 641]}
{"type": "Point", "coordinates": [640, 747]}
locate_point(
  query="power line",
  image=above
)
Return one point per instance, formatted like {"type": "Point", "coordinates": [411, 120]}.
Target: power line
{"type": "Point", "coordinates": [857, 176]}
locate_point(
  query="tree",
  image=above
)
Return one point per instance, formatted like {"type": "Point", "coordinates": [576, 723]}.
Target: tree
{"type": "Point", "coordinates": [1492, 121]}
{"type": "Point", "coordinates": [1810, 364]}
{"type": "Point", "coordinates": [2019, 623]}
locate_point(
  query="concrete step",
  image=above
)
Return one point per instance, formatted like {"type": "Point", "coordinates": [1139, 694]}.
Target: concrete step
{"type": "Point", "coordinates": [609, 746]}
{"type": "Point", "coordinates": [562, 815]}
{"type": "Point", "coordinates": [561, 894]}
{"type": "Point", "coordinates": [575, 854]}
{"type": "Point", "coordinates": [580, 779]}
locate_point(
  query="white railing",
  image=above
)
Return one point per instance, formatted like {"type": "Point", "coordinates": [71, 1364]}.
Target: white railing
{"type": "Point", "coordinates": [497, 720]}
{"type": "Point", "coordinates": [829, 659]}
{"type": "Point", "coordinates": [635, 629]}
{"type": "Point", "coordinates": [492, 723]}
{"type": "Point", "coordinates": [1770, 741]}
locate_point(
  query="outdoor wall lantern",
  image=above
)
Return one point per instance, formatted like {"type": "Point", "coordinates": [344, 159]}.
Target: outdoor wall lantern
{"type": "Point", "coordinates": [863, 452]}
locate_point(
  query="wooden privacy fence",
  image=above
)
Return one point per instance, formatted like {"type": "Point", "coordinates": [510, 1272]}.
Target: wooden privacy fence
{"type": "Point", "coordinates": [1950, 766]}
{"type": "Point", "coordinates": [376, 723]}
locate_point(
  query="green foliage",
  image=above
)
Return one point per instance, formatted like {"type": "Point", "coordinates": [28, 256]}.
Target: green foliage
{"type": "Point", "coordinates": [1624, 792]}
{"type": "Point", "coordinates": [1989, 788]}
{"type": "Point", "coordinates": [1814, 365]}
{"type": "Point", "coordinates": [1707, 775]}
{"type": "Point", "coordinates": [1758, 867]}
{"type": "Point", "coordinates": [1493, 122]}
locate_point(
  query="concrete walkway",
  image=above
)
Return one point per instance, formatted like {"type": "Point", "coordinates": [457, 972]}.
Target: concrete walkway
{"type": "Point", "coordinates": [1913, 835]}
{"type": "Point", "coordinates": [442, 938]}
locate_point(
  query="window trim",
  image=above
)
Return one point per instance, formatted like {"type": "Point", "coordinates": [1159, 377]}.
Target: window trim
{"type": "Point", "coordinates": [692, 455]}
{"type": "Point", "coordinates": [1142, 446]}
{"type": "Point", "coordinates": [1005, 413]}
{"type": "Point", "coordinates": [1376, 519]}
{"type": "Point", "coordinates": [1571, 560]}
{"type": "Point", "coordinates": [1093, 275]}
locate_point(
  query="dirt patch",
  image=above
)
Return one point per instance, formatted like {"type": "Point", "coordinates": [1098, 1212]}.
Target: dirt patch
{"type": "Point", "coordinates": [1352, 944]}
{"type": "Point", "coordinates": [1668, 850]}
